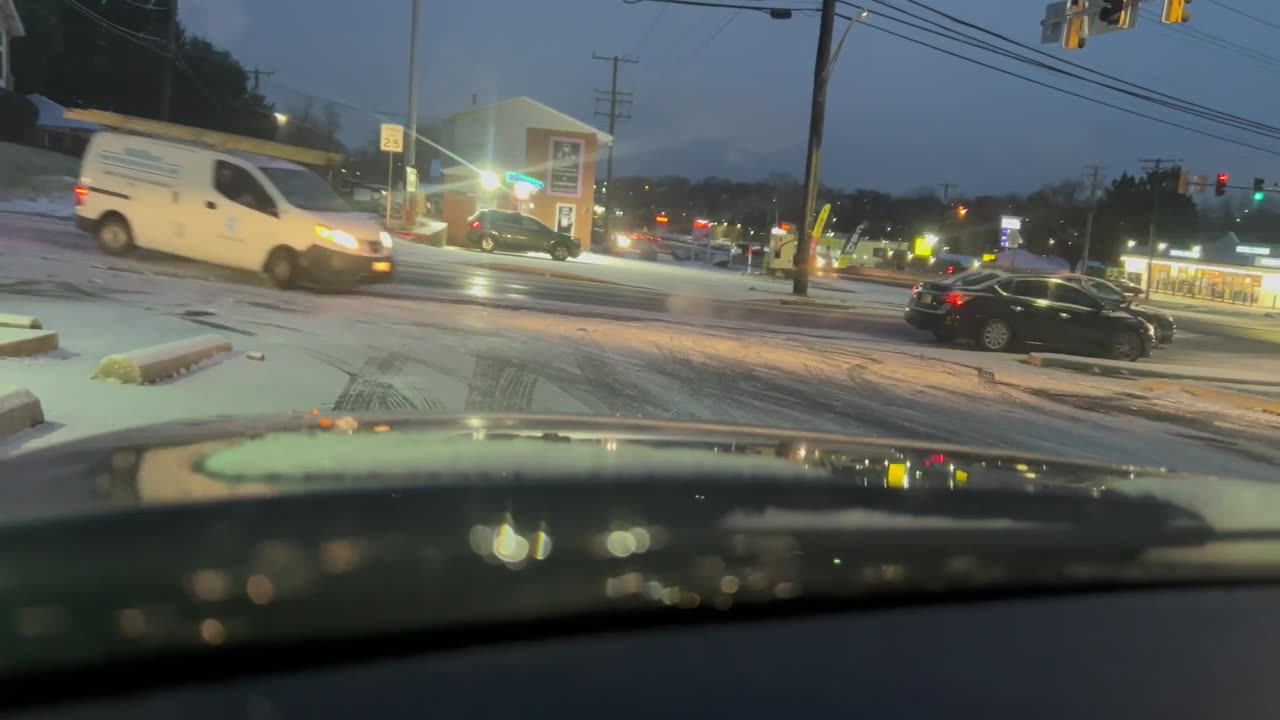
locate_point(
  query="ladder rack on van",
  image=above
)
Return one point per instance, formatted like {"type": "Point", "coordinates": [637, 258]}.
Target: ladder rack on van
{"type": "Point", "coordinates": [211, 138]}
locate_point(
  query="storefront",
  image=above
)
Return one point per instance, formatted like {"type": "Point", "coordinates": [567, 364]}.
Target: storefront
{"type": "Point", "coordinates": [521, 155]}
{"type": "Point", "coordinates": [1253, 281]}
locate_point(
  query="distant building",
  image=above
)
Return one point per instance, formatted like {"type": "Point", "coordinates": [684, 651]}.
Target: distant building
{"type": "Point", "coordinates": [10, 30]}
{"type": "Point", "coordinates": [521, 155]}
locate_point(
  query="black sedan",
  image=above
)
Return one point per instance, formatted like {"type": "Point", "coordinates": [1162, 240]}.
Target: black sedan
{"type": "Point", "coordinates": [1001, 309]}
{"type": "Point", "coordinates": [1117, 298]}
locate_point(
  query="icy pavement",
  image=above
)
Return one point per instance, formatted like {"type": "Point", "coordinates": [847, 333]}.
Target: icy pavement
{"type": "Point", "coordinates": [401, 351]}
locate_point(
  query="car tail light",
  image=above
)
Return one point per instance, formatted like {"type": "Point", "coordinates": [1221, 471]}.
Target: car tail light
{"type": "Point", "coordinates": [476, 224]}
{"type": "Point", "coordinates": [82, 192]}
{"type": "Point", "coordinates": [951, 269]}
{"type": "Point", "coordinates": [956, 299]}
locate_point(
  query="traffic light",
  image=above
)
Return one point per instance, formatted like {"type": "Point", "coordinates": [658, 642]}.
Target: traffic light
{"type": "Point", "coordinates": [1221, 188]}
{"type": "Point", "coordinates": [1073, 30]}
{"type": "Point", "coordinates": [1175, 11]}
{"type": "Point", "coordinates": [1113, 12]}
{"type": "Point", "coordinates": [1258, 193]}
{"type": "Point", "coordinates": [1184, 180]}
{"type": "Point", "coordinates": [961, 212]}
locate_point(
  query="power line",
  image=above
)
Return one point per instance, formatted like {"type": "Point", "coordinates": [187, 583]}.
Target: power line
{"type": "Point", "coordinates": [122, 32]}
{"type": "Point", "coordinates": [1064, 91]}
{"type": "Point", "coordinates": [1218, 42]}
{"type": "Point", "coordinates": [697, 52]}
{"type": "Point", "coordinates": [1170, 103]}
{"type": "Point", "coordinates": [1254, 18]}
{"type": "Point", "coordinates": [119, 29]}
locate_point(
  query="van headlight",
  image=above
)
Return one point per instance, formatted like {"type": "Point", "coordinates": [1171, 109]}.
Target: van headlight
{"type": "Point", "coordinates": [337, 237]}
{"type": "Point", "coordinates": [384, 237]}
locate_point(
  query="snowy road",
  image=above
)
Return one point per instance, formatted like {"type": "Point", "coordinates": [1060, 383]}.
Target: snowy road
{"type": "Point", "coordinates": [425, 344]}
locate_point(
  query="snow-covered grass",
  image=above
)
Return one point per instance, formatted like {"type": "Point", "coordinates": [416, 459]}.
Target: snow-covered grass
{"type": "Point", "coordinates": [27, 169]}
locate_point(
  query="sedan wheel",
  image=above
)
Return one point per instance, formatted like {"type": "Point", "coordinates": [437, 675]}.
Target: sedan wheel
{"type": "Point", "coordinates": [1125, 346]}
{"type": "Point", "coordinates": [995, 335]}
{"type": "Point", "coordinates": [559, 252]}
{"type": "Point", "coordinates": [487, 244]}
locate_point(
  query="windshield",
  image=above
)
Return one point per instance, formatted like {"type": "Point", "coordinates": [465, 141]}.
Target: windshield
{"type": "Point", "coordinates": [492, 223]}
{"type": "Point", "coordinates": [305, 190]}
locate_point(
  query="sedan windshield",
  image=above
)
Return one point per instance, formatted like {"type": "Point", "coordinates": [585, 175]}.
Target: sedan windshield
{"type": "Point", "coordinates": [305, 190]}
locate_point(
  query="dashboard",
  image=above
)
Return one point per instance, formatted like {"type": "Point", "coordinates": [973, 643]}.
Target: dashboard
{"type": "Point", "coordinates": [1166, 653]}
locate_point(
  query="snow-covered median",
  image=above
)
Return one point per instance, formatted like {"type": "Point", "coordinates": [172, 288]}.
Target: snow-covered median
{"type": "Point", "coordinates": [57, 206]}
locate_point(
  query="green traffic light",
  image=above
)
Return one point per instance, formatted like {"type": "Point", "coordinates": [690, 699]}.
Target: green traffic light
{"type": "Point", "coordinates": [1257, 197]}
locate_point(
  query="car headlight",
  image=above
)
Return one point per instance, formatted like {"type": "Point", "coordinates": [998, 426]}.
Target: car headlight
{"type": "Point", "coordinates": [337, 237]}
{"type": "Point", "coordinates": [622, 240]}
{"type": "Point", "coordinates": [384, 237]}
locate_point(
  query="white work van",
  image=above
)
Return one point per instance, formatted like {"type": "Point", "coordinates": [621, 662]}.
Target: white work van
{"type": "Point", "coordinates": [226, 207]}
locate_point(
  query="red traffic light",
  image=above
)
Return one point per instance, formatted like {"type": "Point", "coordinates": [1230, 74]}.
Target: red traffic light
{"type": "Point", "coordinates": [1221, 187]}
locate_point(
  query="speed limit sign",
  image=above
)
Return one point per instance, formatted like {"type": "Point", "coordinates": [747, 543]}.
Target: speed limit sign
{"type": "Point", "coordinates": [392, 138]}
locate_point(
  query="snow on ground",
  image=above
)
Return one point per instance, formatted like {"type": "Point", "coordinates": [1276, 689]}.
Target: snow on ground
{"type": "Point", "coordinates": [387, 349]}
{"type": "Point", "coordinates": [58, 206]}
{"type": "Point", "coordinates": [663, 275]}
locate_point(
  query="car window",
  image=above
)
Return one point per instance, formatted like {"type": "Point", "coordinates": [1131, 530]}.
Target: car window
{"type": "Point", "coordinates": [304, 189]}
{"type": "Point", "coordinates": [237, 185]}
{"type": "Point", "coordinates": [1033, 289]}
{"type": "Point", "coordinates": [1104, 290]}
{"type": "Point", "coordinates": [973, 279]}
{"type": "Point", "coordinates": [1071, 295]}
{"type": "Point", "coordinates": [532, 223]}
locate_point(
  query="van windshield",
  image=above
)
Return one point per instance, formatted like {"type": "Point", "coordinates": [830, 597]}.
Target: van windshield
{"type": "Point", "coordinates": [305, 190]}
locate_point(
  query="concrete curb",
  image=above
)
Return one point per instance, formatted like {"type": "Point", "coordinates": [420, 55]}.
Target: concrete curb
{"type": "Point", "coordinates": [1119, 368]}
{"type": "Point", "coordinates": [25, 322]}
{"type": "Point", "coordinates": [19, 410]}
{"type": "Point", "coordinates": [25, 343]}
{"type": "Point", "coordinates": [159, 362]}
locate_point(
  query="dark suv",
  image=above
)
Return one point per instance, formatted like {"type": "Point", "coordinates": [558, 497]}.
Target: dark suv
{"type": "Point", "coordinates": [509, 231]}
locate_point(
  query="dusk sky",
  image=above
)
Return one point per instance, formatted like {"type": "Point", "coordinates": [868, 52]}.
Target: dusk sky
{"type": "Point", "coordinates": [724, 92]}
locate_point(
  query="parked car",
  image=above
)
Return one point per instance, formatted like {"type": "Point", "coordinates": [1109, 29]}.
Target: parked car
{"type": "Point", "coordinates": [1000, 309]}
{"type": "Point", "coordinates": [1117, 298]}
{"type": "Point", "coordinates": [633, 244]}
{"type": "Point", "coordinates": [490, 230]}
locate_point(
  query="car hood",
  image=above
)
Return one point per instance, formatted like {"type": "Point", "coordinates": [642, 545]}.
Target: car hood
{"type": "Point", "coordinates": [360, 225]}
{"type": "Point", "coordinates": [221, 458]}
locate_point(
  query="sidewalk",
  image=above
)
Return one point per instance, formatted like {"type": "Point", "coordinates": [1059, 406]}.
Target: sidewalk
{"type": "Point", "coordinates": [1208, 307]}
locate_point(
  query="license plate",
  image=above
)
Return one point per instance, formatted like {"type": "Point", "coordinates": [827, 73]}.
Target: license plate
{"type": "Point", "coordinates": [926, 299]}
{"type": "Point", "coordinates": [382, 267]}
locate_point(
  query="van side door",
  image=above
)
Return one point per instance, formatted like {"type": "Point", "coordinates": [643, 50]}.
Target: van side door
{"type": "Point", "coordinates": [243, 218]}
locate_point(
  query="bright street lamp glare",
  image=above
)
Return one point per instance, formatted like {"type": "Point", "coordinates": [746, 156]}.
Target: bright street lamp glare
{"type": "Point", "coordinates": [489, 181]}
{"type": "Point", "coordinates": [281, 118]}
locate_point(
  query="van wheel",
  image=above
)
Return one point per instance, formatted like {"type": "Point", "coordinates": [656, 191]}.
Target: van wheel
{"type": "Point", "coordinates": [282, 268]}
{"type": "Point", "coordinates": [487, 243]}
{"type": "Point", "coordinates": [114, 235]}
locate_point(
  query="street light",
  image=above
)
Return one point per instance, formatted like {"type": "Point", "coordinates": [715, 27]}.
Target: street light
{"type": "Point", "coordinates": [281, 119]}
{"type": "Point", "coordinates": [489, 181]}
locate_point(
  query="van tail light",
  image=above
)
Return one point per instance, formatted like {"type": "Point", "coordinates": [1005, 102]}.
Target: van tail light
{"type": "Point", "coordinates": [82, 192]}
{"type": "Point", "coordinates": [476, 224]}
{"type": "Point", "coordinates": [956, 299]}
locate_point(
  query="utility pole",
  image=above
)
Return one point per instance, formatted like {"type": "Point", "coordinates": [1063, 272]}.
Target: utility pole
{"type": "Point", "coordinates": [1157, 186]}
{"type": "Point", "coordinates": [166, 88]}
{"type": "Point", "coordinates": [946, 191]}
{"type": "Point", "coordinates": [410, 153]}
{"type": "Point", "coordinates": [615, 113]}
{"type": "Point", "coordinates": [257, 78]}
{"type": "Point", "coordinates": [1095, 180]}
{"type": "Point", "coordinates": [813, 160]}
